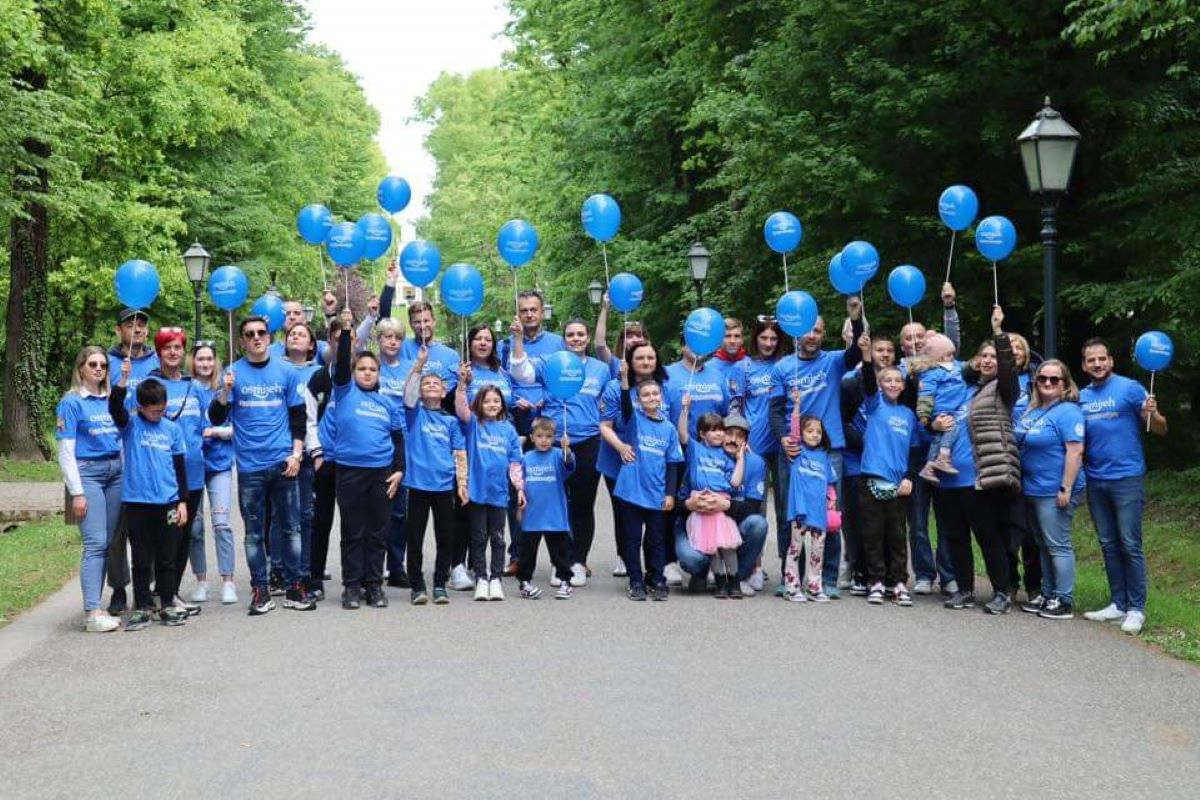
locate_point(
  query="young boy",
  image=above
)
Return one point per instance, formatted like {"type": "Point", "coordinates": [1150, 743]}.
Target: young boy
{"type": "Point", "coordinates": [153, 497]}
{"type": "Point", "coordinates": [942, 391]}
{"type": "Point", "coordinates": [545, 514]}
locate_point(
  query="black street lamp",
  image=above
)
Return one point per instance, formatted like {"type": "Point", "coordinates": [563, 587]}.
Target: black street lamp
{"type": "Point", "coordinates": [1048, 149]}
{"type": "Point", "coordinates": [196, 260]}
{"type": "Point", "coordinates": [595, 292]}
{"type": "Point", "coordinates": [309, 314]}
{"type": "Point", "coordinates": [698, 257]}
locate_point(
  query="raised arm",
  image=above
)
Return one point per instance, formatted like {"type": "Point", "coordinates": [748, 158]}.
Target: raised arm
{"type": "Point", "coordinates": [739, 468]}
{"type": "Point", "coordinates": [341, 372]}
{"type": "Point", "coordinates": [603, 353]}
{"type": "Point", "coordinates": [116, 404]}
{"type": "Point", "coordinates": [685, 410]}
{"type": "Point", "coordinates": [1008, 386]}
{"type": "Point", "coordinates": [950, 316]}
{"type": "Point", "coordinates": [462, 408]}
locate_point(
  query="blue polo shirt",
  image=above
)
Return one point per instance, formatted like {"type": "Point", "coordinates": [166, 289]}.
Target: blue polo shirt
{"type": "Point", "coordinates": [1112, 413]}
{"type": "Point", "coordinates": [85, 418]}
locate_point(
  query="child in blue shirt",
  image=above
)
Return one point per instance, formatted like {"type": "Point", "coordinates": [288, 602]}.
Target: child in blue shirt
{"type": "Point", "coordinates": [546, 469]}
{"type": "Point", "coordinates": [810, 485]}
{"type": "Point", "coordinates": [942, 391]}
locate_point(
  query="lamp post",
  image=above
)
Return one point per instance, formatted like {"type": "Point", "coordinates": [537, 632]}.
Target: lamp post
{"type": "Point", "coordinates": [309, 313]}
{"type": "Point", "coordinates": [549, 312]}
{"type": "Point", "coordinates": [195, 261]}
{"type": "Point", "coordinates": [595, 292]}
{"type": "Point", "coordinates": [498, 327]}
{"type": "Point", "coordinates": [1048, 149]}
{"type": "Point", "coordinates": [698, 257]}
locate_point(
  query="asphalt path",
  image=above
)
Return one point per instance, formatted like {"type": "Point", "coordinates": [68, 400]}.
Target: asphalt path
{"type": "Point", "coordinates": [592, 697]}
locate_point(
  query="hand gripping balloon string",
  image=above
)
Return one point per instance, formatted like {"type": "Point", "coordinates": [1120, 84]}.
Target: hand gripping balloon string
{"type": "Point", "coordinates": [950, 260]}
{"type": "Point", "coordinates": [995, 284]}
{"type": "Point", "coordinates": [785, 275]}
{"type": "Point", "coordinates": [1150, 416]}
{"type": "Point", "coordinates": [604, 255]}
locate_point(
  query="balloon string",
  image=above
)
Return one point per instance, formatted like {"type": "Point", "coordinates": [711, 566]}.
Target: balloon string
{"type": "Point", "coordinates": [785, 275]}
{"type": "Point", "coordinates": [910, 318]}
{"type": "Point", "coordinates": [321, 266]}
{"type": "Point", "coordinates": [230, 315]}
{"type": "Point", "coordinates": [604, 254]}
{"type": "Point", "coordinates": [950, 260]}
{"type": "Point", "coordinates": [464, 338]}
{"type": "Point", "coordinates": [346, 274]}
{"type": "Point", "coordinates": [1148, 417]}
{"type": "Point", "coordinates": [516, 294]}
{"type": "Point", "coordinates": [862, 300]}
{"type": "Point", "coordinates": [995, 284]}
{"type": "Point", "coordinates": [621, 336]}
{"type": "Point", "coordinates": [691, 374]}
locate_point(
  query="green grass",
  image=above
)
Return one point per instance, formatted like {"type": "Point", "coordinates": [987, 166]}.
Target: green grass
{"type": "Point", "coordinates": [36, 558]}
{"type": "Point", "coordinates": [22, 471]}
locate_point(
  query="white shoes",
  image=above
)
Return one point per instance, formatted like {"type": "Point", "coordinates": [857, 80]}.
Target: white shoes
{"type": "Point", "coordinates": [481, 589]}
{"type": "Point", "coordinates": [923, 586]}
{"type": "Point", "coordinates": [460, 579]}
{"type": "Point", "coordinates": [495, 590]}
{"type": "Point", "coordinates": [844, 577]}
{"type": "Point", "coordinates": [673, 574]}
{"type": "Point", "coordinates": [747, 589]}
{"type": "Point", "coordinates": [756, 581]}
{"type": "Point", "coordinates": [578, 575]}
{"type": "Point", "coordinates": [1110, 613]}
{"type": "Point", "coordinates": [1134, 621]}
{"type": "Point", "coordinates": [619, 571]}
{"type": "Point", "coordinates": [200, 593]}
{"type": "Point", "coordinates": [554, 579]}
{"type": "Point", "coordinates": [101, 623]}
{"type": "Point", "coordinates": [229, 593]}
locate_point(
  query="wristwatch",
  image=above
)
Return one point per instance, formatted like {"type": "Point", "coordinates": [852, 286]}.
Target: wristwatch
{"type": "Point", "coordinates": [1062, 488]}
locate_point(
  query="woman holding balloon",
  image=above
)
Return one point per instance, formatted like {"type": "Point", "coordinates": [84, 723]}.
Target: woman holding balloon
{"type": "Point", "coordinates": [767, 345]}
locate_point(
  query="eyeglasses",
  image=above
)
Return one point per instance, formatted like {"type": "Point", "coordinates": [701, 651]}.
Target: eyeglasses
{"type": "Point", "coordinates": [1051, 380]}
{"type": "Point", "coordinates": [204, 343]}
{"type": "Point", "coordinates": [255, 334]}
{"type": "Point", "coordinates": [97, 364]}
{"type": "Point", "coordinates": [765, 318]}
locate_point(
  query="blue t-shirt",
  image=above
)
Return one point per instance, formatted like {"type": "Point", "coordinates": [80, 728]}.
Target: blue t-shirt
{"type": "Point", "coordinates": [583, 410]}
{"type": "Point", "coordinates": [327, 432]}
{"type": "Point", "coordinates": [962, 455]}
{"type": "Point", "coordinates": [852, 458]}
{"type": "Point", "coordinates": [142, 366]}
{"type": "Point", "coordinates": [1024, 380]}
{"type": "Point", "coordinates": [483, 377]}
{"type": "Point", "coordinates": [279, 350]}
{"type": "Point", "coordinates": [536, 350]}
{"type": "Point", "coordinates": [890, 433]}
{"type": "Point", "coordinates": [707, 386]}
{"type": "Point", "coordinates": [218, 452]}
{"type": "Point", "coordinates": [433, 438]}
{"type": "Point", "coordinates": [1042, 434]}
{"type": "Point", "coordinates": [545, 492]}
{"type": "Point", "coordinates": [608, 461]}
{"type": "Point", "coordinates": [391, 384]}
{"type": "Point", "coordinates": [365, 421]}
{"type": "Point", "coordinates": [185, 407]}
{"type": "Point", "coordinates": [946, 387]}
{"type": "Point", "coordinates": [656, 444]}
{"type": "Point", "coordinates": [754, 479]}
{"type": "Point", "coordinates": [491, 447]}
{"type": "Point", "coordinates": [753, 377]}
{"type": "Point", "coordinates": [819, 381]}
{"type": "Point", "coordinates": [262, 395]}
{"type": "Point", "coordinates": [709, 468]}
{"type": "Point", "coordinates": [150, 450]}
{"type": "Point", "coordinates": [442, 361]}
{"type": "Point", "coordinates": [85, 419]}
{"type": "Point", "coordinates": [808, 484]}
{"type": "Point", "coordinates": [1112, 413]}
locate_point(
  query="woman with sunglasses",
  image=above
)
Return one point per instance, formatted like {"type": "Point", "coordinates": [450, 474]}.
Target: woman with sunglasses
{"type": "Point", "coordinates": [218, 481]}
{"type": "Point", "coordinates": [89, 454]}
{"type": "Point", "coordinates": [1050, 434]}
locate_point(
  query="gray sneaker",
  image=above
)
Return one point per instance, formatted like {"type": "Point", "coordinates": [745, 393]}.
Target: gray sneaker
{"type": "Point", "coordinates": [999, 604]}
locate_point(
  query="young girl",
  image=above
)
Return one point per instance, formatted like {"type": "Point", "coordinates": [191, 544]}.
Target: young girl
{"type": "Point", "coordinates": [493, 459]}
{"type": "Point", "coordinates": [218, 480]}
{"type": "Point", "coordinates": [710, 470]}
{"type": "Point", "coordinates": [436, 448]}
{"type": "Point", "coordinates": [891, 431]}
{"type": "Point", "coordinates": [545, 513]}
{"type": "Point", "coordinates": [809, 484]}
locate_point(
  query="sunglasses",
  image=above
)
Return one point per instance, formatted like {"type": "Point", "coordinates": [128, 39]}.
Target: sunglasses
{"type": "Point", "coordinates": [170, 329]}
{"type": "Point", "coordinates": [204, 343]}
{"type": "Point", "coordinates": [1050, 380]}
{"type": "Point", "coordinates": [255, 334]}
{"type": "Point", "coordinates": [97, 364]}
{"type": "Point", "coordinates": [765, 318]}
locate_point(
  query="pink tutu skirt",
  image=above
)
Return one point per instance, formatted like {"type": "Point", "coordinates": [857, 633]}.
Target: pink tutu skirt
{"type": "Point", "coordinates": [710, 532]}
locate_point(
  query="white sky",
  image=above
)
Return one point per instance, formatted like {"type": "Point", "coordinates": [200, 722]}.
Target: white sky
{"type": "Point", "coordinates": [397, 48]}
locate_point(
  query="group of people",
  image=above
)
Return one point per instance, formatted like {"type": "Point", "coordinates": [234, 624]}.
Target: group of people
{"type": "Point", "coordinates": [855, 445]}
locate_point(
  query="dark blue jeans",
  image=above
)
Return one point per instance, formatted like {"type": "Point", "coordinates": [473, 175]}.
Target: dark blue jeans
{"type": "Point", "coordinates": [304, 488]}
{"type": "Point", "coordinates": [1116, 508]}
{"type": "Point", "coordinates": [255, 490]}
{"type": "Point", "coordinates": [754, 535]}
{"type": "Point", "coordinates": [926, 565]}
{"type": "Point", "coordinates": [654, 522]}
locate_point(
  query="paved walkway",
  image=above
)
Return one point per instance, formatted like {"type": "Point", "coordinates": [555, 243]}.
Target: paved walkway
{"type": "Point", "coordinates": [594, 697]}
{"type": "Point", "coordinates": [30, 500]}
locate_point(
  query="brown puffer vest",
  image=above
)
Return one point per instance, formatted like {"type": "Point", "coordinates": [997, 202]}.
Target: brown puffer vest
{"type": "Point", "coordinates": [989, 417]}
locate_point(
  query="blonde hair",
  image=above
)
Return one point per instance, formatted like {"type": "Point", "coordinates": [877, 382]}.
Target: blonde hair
{"type": "Point", "coordinates": [389, 325]}
{"type": "Point", "coordinates": [213, 381]}
{"type": "Point", "coordinates": [1013, 338]}
{"type": "Point", "coordinates": [77, 385]}
{"type": "Point", "coordinates": [1070, 390]}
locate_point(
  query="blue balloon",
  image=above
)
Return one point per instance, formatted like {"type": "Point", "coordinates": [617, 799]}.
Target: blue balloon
{"type": "Point", "coordinates": [704, 331]}
{"type": "Point", "coordinates": [136, 283]}
{"type": "Point", "coordinates": [860, 260]}
{"type": "Point", "coordinates": [462, 289]}
{"type": "Point", "coordinates": [842, 282]}
{"type": "Point", "coordinates": [346, 244]}
{"type": "Point", "coordinates": [625, 292]}
{"type": "Point", "coordinates": [270, 305]}
{"type": "Point", "coordinates": [517, 242]}
{"type": "Point", "coordinates": [313, 222]}
{"type": "Point", "coordinates": [563, 374]}
{"type": "Point", "coordinates": [377, 234]}
{"type": "Point", "coordinates": [796, 313]}
{"type": "Point", "coordinates": [906, 285]}
{"type": "Point", "coordinates": [393, 194]}
{"type": "Point", "coordinates": [957, 207]}
{"type": "Point", "coordinates": [601, 217]}
{"type": "Point", "coordinates": [420, 261]}
{"type": "Point", "coordinates": [228, 287]}
{"type": "Point", "coordinates": [783, 232]}
{"type": "Point", "coordinates": [995, 237]}
{"type": "Point", "coordinates": [1154, 351]}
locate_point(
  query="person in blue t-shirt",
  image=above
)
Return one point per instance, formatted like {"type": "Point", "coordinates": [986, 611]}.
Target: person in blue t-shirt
{"type": "Point", "coordinates": [545, 474]}
{"type": "Point", "coordinates": [393, 374]}
{"type": "Point", "coordinates": [810, 488]}
{"type": "Point", "coordinates": [89, 454]}
{"type": "Point", "coordinates": [537, 344]}
{"type": "Point", "coordinates": [154, 497]}
{"type": "Point", "coordinates": [439, 359]}
{"type": "Point", "coordinates": [1116, 411]}
{"type": "Point", "coordinates": [942, 391]}
{"type": "Point", "coordinates": [133, 333]}
{"type": "Point", "coordinates": [265, 400]}
{"type": "Point", "coordinates": [493, 462]}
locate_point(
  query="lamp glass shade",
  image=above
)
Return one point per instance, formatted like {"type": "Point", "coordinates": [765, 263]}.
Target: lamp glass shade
{"type": "Point", "coordinates": [698, 257]}
{"type": "Point", "coordinates": [595, 291]}
{"type": "Point", "coordinates": [196, 260]}
{"type": "Point", "coordinates": [1048, 148]}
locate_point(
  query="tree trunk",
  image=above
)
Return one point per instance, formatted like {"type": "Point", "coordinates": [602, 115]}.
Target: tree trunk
{"type": "Point", "coordinates": [23, 426]}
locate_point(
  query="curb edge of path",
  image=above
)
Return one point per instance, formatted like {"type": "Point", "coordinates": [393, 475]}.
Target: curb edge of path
{"type": "Point", "coordinates": [37, 624]}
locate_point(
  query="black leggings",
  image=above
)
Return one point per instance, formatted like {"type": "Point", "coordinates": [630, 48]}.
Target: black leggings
{"type": "Point", "coordinates": [184, 547]}
{"type": "Point", "coordinates": [366, 516]}
{"type": "Point", "coordinates": [487, 528]}
{"type": "Point", "coordinates": [325, 491]}
{"type": "Point", "coordinates": [581, 497]}
{"type": "Point", "coordinates": [959, 512]}
{"type": "Point", "coordinates": [420, 504]}
{"type": "Point", "coordinates": [154, 541]}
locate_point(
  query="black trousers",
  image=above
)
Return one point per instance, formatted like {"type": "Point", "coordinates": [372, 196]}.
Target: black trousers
{"type": "Point", "coordinates": [1024, 557]}
{"type": "Point", "coordinates": [581, 497]}
{"type": "Point", "coordinates": [366, 514]}
{"type": "Point", "coordinates": [852, 532]}
{"type": "Point", "coordinates": [884, 538]}
{"type": "Point", "coordinates": [611, 485]}
{"type": "Point", "coordinates": [487, 529]}
{"type": "Point", "coordinates": [460, 537]}
{"type": "Point", "coordinates": [959, 512]}
{"type": "Point", "coordinates": [557, 545]}
{"type": "Point", "coordinates": [183, 549]}
{"type": "Point", "coordinates": [420, 504]}
{"type": "Point", "coordinates": [154, 541]}
{"type": "Point", "coordinates": [325, 491]}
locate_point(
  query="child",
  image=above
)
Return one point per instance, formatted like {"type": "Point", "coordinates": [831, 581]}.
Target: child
{"type": "Point", "coordinates": [710, 470]}
{"type": "Point", "coordinates": [545, 512]}
{"type": "Point", "coordinates": [493, 459]}
{"type": "Point", "coordinates": [646, 484]}
{"type": "Point", "coordinates": [942, 392]}
{"type": "Point", "coordinates": [438, 453]}
{"type": "Point", "coordinates": [810, 483]}
{"type": "Point", "coordinates": [153, 497]}
{"type": "Point", "coordinates": [891, 431]}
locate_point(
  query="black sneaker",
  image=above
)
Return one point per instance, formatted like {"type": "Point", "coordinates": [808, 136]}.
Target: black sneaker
{"type": "Point", "coordinates": [1035, 605]}
{"type": "Point", "coordinates": [659, 593]}
{"type": "Point", "coordinates": [735, 588]}
{"type": "Point", "coordinates": [960, 600]}
{"type": "Point", "coordinates": [698, 584]}
{"type": "Point", "coordinates": [637, 593]}
{"type": "Point", "coordinates": [418, 597]}
{"type": "Point", "coordinates": [1057, 608]}
{"type": "Point", "coordinates": [398, 580]}
{"type": "Point", "coordinates": [375, 598]}
{"type": "Point", "coordinates": [298, 600]}
{"type": "Point", "coordinates": [350, 599]}
{"type": "Point", "coordinates": [138, 619]}
{"type": "Point", "coordinates": [317, 590]}
{"type": "Point", "coordinates": [275, 584]}
{"type": "Point", "coordinates": [260, 601]}
{"type": "Point", "coordinates": [858, 589]}
{"type": "Point", "coordinates": [172, 616]}
{"type": "Point", "coordinates": [999, 604]}
{"type": "Point", "coordinates": [118, 603]}
{"type": "Point", "coordinates": [440, 598]}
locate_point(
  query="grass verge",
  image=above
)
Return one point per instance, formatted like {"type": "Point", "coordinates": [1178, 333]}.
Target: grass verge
{"type": "Point", "coordinates": [23, 471]}
{"type": "Point", "coordinates": [36, 558]}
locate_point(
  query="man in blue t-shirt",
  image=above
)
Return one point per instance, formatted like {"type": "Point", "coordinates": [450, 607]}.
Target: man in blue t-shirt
{"type": "Point", "coordinates": [441, 360]}
{"type": "Point", "coordinates": [1116, 410]}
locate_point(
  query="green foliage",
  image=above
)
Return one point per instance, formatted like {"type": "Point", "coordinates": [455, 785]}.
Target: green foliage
{"type": "Point", "coordinates": [14, 470]}
{"type": "Point", "coordinates": [36, 559]}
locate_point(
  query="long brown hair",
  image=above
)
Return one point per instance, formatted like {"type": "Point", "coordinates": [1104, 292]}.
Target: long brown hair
{"type": "Point", "coordinates": [477, 403]}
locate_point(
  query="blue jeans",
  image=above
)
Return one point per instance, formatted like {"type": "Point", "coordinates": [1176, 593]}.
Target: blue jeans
{"type": "Point", "coordinates": [926, 566]}
{"type": "Point", "coordinates": [754, 535]}
{"type": "Point", "coordinates": [255, 489]}
{"type": "Point", "coordinates": [398, 535]}
{"type": "Point", "coordinates": [1052, 529]}
{"type": "Point", "coordinates": [101, 480]}
{"type": "Point", "coordinates": [833, 544]}
{"type": "Point", "coordinates": [1116, 508]}
{"type": "Point", "coordinates": [778, 495]}
{"type": "Point", "coordinates": [304, 484]}
{"type": "Point", "coordinates": [220, 496]}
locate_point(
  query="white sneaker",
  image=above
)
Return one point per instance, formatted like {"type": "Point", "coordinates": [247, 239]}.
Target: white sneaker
{"type": "Point", "coordinates": [200, 593]}
{"type": "Point", "coordinates": [795, 597]}
{"type": "Point", "coordinates": [228, 593]}
{"type": "Point", "coordinates": [460, 580]}
{"type": "Point", "coordinates": [578, 575]}
{"type": "Point", "coordinates": [843, 578]}
{"type": "Point", "coordinates": [564, 591]}
{"type": "Point", "coordinates": [923, 586]}
{"type": "Point", "coordinates": [481, 589]}
{"type": "Point", "coordinates": [100, 623]}
{"type": "Point", "coordinates": [619, 571]}
{"type": "Point", "coordinates": [1134, 621]}
{"type": "Point", "coordinates": [673, 574]}
{"type": "Point", "coordinates": [1110, 613]}
{"type": "Point", "coordinates": [951, 587]}
{"type": "Point", "coordinates": [756, 580]}
{"type": "Point", "coordinates": [747, 589]}
{"type": "Point", "coordinates": [554, 579]}
{"type": "Point", "coordinates": [495, 590]}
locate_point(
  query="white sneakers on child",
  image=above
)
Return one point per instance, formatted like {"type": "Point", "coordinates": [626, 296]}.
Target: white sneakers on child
{"type": "Point", "coordinates": [619, 571]}
{"type": "Point", "coordinates": [481, 589]}
{"type": "Point", "coordinates": [578, 575]}
{"type": "Point", "coordinates": [200, 593]}
{"type": "Point", "coordinates": [228, 593]}
{"type": "Point", "coordinates": [460, 579]}
{"type": "Point", "coordinates": [495, 590]}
